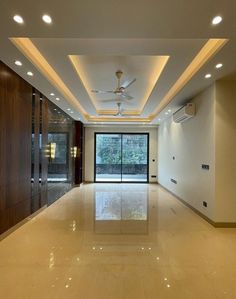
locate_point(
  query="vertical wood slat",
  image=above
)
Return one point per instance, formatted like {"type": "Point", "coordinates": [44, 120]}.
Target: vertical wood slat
{"type": "Point", "coordinates": [15, 148]}
{"type": "Point", "coordinates": [44, 154]}
{"type": "Point", "coordinates": [35, 163]}
{"type": "Point", "coordinates": [79, 137]}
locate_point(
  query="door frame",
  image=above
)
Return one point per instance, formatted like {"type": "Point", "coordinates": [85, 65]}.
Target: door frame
{"type": "Point", "coordinates": [121, 133]}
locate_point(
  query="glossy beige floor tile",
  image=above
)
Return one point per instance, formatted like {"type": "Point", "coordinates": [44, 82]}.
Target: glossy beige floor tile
{"type": "Point", "coordinates": [120, 241]}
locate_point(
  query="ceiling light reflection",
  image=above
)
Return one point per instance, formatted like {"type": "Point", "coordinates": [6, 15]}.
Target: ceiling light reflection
{"type": "Point", "coordinates": [51, 261]}
{"type": "Point", "coordinates": [73, 225]}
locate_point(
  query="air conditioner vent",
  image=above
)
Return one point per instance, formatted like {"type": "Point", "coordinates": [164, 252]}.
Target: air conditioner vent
{"type": "Point", "coordinates": [184, 113]}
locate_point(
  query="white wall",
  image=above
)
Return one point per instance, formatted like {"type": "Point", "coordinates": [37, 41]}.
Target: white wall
{"type": "Point", "coordinates": [225, 151]}
{"type": "Point", "coordinates": [192, 144]}
{"type": "Point", "coordinates": [89, 147]}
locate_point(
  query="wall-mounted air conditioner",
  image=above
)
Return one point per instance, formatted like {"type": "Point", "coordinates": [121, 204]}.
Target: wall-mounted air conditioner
{"type": "Point", "coordinates": [184, 113]}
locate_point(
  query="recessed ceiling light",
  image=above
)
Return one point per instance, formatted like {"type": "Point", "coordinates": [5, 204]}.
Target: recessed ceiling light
{"type": "Point", "coordinates": [17, 62]}
{"type": "Point", "coordinates": [68, 109]}
{"type": "Point", "coordinates": [219, 65]}
{"type": "Point", "coordinates": [52, 94]}
{"type": "Point", "coordinates": [207, 76]}
{"type": "Point", "coordinates": [216, 20]}
{"type": "Point", "coordinates": [58, 99]}
{"type": "Point", "coordinates": [47, 19]}
{"type": "Point", "coordinates": [166, 113]}
{"type": "Point", "coordinates": [18, 19]}
{"type": "Point", "coordinates": [72, 112]}
{"type": "Point", "coordinates": [169, 110]}
{"type": "Point", "coordinates": [30, 74]}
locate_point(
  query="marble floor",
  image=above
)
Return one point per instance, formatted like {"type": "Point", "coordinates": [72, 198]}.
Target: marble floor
{"type": "Point", "coordinates": [126, 241]}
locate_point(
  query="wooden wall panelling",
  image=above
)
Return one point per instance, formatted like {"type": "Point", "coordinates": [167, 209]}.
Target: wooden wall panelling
{"type": "Point", "coordinates": [44, 153]}
{"type": "Point", "coordinates": [35, 203]}
{"type": "Point", "coordinates": [15, 148]}
{"type": "Point", "coordinates": [79, 137]}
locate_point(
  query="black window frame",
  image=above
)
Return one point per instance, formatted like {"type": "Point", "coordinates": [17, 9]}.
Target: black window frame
{"type": "Point", "coordinates": [121, 133]}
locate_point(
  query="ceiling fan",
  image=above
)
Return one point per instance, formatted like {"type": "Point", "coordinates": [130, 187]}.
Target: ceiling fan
{"type": "Point", "coordinates": [121, 89]}
{"type": "Point", "coordinates": [119, 112]}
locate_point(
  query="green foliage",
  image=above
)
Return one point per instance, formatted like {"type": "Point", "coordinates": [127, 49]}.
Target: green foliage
{"type": "Point", "coordinates": [109, 149]}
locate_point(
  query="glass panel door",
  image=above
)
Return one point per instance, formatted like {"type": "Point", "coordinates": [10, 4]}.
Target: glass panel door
{"type": "Point", "coordinates": [108, 158]}
{"type": "Point", "coordinates": [121, 157]}
{"type": "Point", "coordinates": [134, 158]}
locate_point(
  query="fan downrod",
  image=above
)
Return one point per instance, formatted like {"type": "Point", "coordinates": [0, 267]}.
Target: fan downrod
{"type": "Point", "coordinates": [119, 73]}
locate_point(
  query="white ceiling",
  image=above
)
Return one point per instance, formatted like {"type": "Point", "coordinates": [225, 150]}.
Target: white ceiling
{"type": "Point", "coordinates": [128, 35]}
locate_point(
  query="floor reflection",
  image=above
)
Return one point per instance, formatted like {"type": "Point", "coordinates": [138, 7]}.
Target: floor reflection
{"type": "Point", "coordinates": [121, 211]}
{"type": "Point", "coordinates": [85, 247]}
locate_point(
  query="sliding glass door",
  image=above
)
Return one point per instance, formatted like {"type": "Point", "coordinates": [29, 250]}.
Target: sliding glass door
{"type": "Point", "coordinates": [121, 157]}
{"type": "Point", "coordinates": [108, 157]}
{"type": "Point", "coordinates": [134, 157]}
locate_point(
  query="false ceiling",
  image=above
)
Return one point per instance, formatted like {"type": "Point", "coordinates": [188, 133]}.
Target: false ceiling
{"type": "Point", "coordinates": [167, 47]}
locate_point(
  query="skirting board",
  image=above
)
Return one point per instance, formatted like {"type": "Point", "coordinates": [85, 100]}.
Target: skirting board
{"type": "Point", "coordinates": [92, 182]}
{"type": "Point", "coordinates": [215, 224]}
{"type": "Point", "coordinates": [22, 222]}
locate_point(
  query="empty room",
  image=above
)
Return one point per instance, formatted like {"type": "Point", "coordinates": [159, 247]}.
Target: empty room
{"type": "Point", "coordinates": [117, 149]}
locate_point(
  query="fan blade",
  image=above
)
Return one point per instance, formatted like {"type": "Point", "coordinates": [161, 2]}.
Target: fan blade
{"type": "Point", "coordinates": [102, 91]}
{"type": "Point", "coordinates": [108, 100]}
{"type": "Point", "coordinates": [125, 95]}
{"type": "Point", "coordinates": [126, 84]}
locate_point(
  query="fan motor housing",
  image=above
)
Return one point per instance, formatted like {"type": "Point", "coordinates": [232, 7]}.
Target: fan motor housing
{"type": "Point", "coordinates": [119, 74]}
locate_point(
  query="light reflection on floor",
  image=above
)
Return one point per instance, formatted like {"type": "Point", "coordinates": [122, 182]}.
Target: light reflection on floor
{"type": "Point", "coordinates": [120, 241]}
{"type": "Point", "coordinates": [121, 211]}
